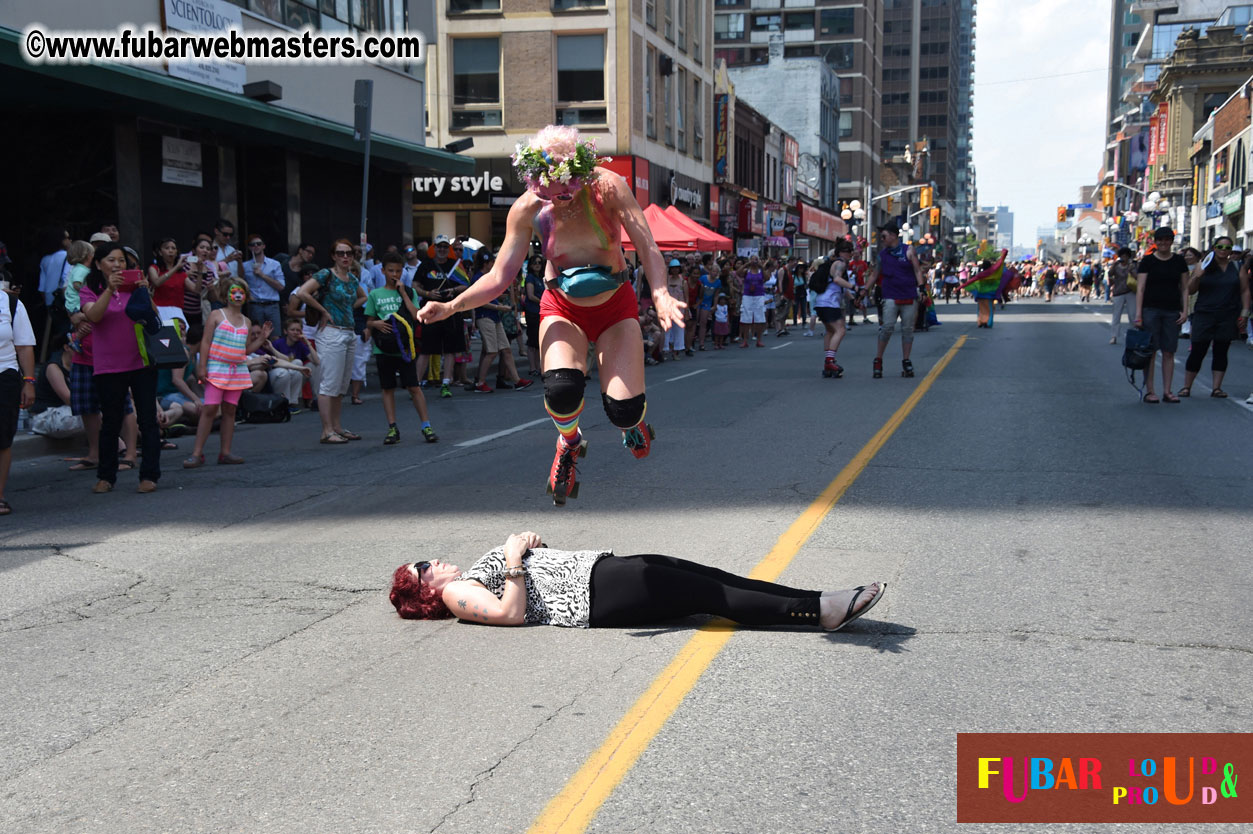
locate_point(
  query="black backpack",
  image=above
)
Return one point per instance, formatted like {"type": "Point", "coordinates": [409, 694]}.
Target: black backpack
{"type": "Point", "coordinates": [821, 279]}
{"type": "Point", "coordinates": [263, 408]}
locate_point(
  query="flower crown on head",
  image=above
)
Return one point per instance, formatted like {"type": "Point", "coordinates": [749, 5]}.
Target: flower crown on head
{"type": "Point", "coordinates": [556, 154]}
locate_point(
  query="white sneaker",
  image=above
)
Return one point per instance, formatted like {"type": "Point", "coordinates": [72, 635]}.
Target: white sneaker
{"type": "Point", "coordinates": [1249, 401]}
{"type": "Point", "coordinates": [809, 332]}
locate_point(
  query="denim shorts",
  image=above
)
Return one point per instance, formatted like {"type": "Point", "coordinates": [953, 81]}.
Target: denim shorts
{"type": "Point", "coordinates": [1163, 327]}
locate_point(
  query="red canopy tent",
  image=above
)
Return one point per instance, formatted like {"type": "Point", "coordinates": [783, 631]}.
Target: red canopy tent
{"type": "Point", "coordinates": [707, 239]}
{"type": "Point", "coordinates": [669, 235]}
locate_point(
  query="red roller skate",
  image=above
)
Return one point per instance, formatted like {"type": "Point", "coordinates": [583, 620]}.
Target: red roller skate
{"type": "Point", "coordinates": [639, 440]}
{"type": "Point", "coordinates": [562, 479]}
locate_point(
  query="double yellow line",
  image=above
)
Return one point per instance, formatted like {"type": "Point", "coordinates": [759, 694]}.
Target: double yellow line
{"type": "Point", "coordinates": [572, 810]}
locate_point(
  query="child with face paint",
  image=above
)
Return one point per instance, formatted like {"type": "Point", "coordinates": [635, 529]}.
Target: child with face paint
{"type": "Point", "coordinates": [579, 209]}
{"type": "Point", "coordinates": [223, 370]}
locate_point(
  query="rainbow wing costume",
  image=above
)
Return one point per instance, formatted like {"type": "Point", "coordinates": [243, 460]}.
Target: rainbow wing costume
{"type": "Point", "coordinates": [987, 284]}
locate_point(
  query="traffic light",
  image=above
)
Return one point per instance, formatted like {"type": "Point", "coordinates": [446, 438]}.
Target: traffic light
{"type": "Point", "coordinates": [925, 200]}
{"type": "Point", "coordinates": [935, 216]}
{"type": "Point", "coordinates": [1061, 214]}
{"type": "Point", "coordinates": [890, 201]}
{"type": "Point", "coordinates": [1107, 195]}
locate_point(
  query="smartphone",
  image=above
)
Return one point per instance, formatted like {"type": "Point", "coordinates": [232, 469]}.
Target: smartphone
{"type": "Point", "coordinates": [130, 279]}
{"type": "Point", "coordinates": [192, 259]}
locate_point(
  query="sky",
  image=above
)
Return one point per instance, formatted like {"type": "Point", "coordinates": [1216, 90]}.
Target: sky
{"type": "Point", "coordinates": [1037, 141]}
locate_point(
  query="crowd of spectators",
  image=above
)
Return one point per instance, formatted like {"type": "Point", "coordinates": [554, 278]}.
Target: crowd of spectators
{"type": "Point", "coordinates": [307, 333]}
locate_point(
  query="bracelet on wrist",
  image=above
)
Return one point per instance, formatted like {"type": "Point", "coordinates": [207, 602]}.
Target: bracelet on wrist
{"type": "Point", "coordinates": [515, 571]}
{"type": "Point", "coordinates": [29, 379]}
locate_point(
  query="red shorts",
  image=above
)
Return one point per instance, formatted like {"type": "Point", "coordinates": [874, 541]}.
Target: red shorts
{"type": "Point", "coordinates": [592, 320]}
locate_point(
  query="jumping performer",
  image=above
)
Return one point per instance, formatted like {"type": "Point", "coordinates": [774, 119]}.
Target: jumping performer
{"type": "Point", "coordinates": [578, 210]}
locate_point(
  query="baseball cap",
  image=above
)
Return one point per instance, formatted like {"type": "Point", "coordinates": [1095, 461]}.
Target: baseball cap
{"type": "Point", "coordinates": [100, 237]}
{"type": "Point", "coordinates": [675, 262]}
{"type": "Point", "coordinates": [441, 239]}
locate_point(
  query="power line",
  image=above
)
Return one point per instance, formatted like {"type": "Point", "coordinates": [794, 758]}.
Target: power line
{"type": "Point", "coordinates": [1043, 77]}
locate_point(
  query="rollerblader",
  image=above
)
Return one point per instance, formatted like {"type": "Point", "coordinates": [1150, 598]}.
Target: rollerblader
{"type": "Point", "coordinates": [578, 211]}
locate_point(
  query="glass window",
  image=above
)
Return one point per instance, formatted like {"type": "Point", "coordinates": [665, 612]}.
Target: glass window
{"type": "Point", "coordinates": [680, 122]}
{"type": "Point", "coordinates": [839, 56]}
{"type": "Point", "coordinates": [681, 21]}
{"type": "Point", "coordinates": [833, 22]}
{"type": "Point", "coordinates": [667, 15]}
{"type": "Point", "coordinates": [476, 82]}
{"type": "Point", "coordinates": [565, 5]}
{"type": "Point", "coordinates": [667, 109]}
{"type": "Point", "coordinates": [729, 27]}
{"type": "Point", "coordinates": [457, 6]}
{"type": "Point", "coordinates": [798, 20]}
{"type": "Point", "coordinates": [698, 120]}
{"type": "Point", "coordinates": [650, 13]}
{"type": "Point", "coordinates": [650, 124]}
{"type": "Point", "coordinates": [581, 68]}
{"type": "Point", "coordinates": [767, 22]}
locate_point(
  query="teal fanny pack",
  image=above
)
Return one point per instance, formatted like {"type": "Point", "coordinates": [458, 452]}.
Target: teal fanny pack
{"type": "Point", "coordinates": [585, 281]}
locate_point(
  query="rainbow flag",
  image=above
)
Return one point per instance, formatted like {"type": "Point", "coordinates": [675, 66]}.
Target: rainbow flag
{"type": "Point", "coordinates": [459, 274]}
{"type": "Point", "coordinates": [988, 282]}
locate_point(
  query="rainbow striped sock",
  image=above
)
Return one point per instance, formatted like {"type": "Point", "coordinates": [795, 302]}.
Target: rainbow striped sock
{"type": "Point", "coordinates": [567, 424]}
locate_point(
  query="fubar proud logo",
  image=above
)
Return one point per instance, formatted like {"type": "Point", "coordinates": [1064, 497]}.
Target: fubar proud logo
{"type": "Point", "coordinates": [1103, 777]}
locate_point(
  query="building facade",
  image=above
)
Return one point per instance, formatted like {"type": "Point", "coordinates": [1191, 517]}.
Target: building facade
{"type": "Point", "coordinates": [927, 87]}
{"type": "Point", "coordinates": [635, 75]}
{"type": "Point", "coordinates": [848, 37]}
{"type": "Point", "coordinates": [164, 152]}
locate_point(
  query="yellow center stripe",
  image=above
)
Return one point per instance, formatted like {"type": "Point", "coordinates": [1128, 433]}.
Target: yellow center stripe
{"type": "Point", "coordinates": [572, 810]}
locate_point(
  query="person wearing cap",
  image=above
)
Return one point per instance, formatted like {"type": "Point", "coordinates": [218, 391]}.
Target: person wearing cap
{"type": "Point", "coordinates": [579, 210]}
{"type": "Point", "coordinates": [493, 340]}
{"type": "Point", "coordinates": [676, 286]}
{"type": "Point", "coordinates": [1161, 308]}
{"type": "Point", "coordinates": [441, 279]}
{"type": "Point", "coordinates": [899, 275]}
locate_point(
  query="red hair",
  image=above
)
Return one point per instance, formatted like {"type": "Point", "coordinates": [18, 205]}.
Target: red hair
{"type": "Point", "coordinates": [414, 599]}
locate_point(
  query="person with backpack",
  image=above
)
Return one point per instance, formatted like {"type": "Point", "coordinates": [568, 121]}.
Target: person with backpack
{"type": "Point", "coordinates": [828, 283]}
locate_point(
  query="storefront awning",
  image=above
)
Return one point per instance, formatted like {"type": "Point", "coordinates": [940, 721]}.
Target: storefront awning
{"type": "Point", "coordinates": [668, 235]}
{"type": "Point", "coordinates": [706, 239]}
{"type": "Point", "coordinates": [153, 95]}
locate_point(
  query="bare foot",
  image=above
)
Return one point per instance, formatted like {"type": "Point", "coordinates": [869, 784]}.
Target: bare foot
{"type": "Point", "coordinates": [833, 607]}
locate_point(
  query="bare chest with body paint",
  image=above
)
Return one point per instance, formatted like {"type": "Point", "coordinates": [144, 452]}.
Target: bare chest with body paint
{"type": "Point", "coordinates": [581, 231]}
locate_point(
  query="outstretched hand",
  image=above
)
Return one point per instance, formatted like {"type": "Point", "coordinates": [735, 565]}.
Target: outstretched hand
{"type": "Point", "coordinates": [433, 311]}
{"type": "Point", "coordinates": [669, 309]}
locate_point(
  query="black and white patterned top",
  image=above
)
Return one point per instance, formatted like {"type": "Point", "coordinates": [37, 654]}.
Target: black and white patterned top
{"type": "Point", "coordinates": [558, 583]}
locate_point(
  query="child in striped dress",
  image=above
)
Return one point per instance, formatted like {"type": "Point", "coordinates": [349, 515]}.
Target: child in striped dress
{"type": "Point", "coordinates": [223, 370]}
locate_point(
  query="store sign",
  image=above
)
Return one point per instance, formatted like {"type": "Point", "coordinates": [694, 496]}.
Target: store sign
{"type": "Point", "coordinates": [688, 196]}
{"type": "Point", "coordinates": [821, 224]}
{"type": "Point", "coordinates": [721, 127]}
{"type": "Point", "coordinates": [493, 185]}
{"type": "Point", "coordinates": [1163, 123]}
{"type": "Point", "coordinates": [1233, 203]}
{"type": "Point", "coordinates": [180, 162]}
{"type": "Point", "coordinates": [791, 151]}
{"type": "Point", "coordinates": [199, 17]}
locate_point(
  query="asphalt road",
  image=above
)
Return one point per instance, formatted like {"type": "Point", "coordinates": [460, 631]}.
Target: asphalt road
{"type": "Point", "coordinates": [221, 656]}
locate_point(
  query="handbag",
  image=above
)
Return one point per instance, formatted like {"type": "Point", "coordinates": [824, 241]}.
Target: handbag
{"type": "Point", "coordinates": [163, 349]}
{"type": "Point", "coordinates": [1137, 350]}
{"type": "Point", "coordinates": [263, 408]}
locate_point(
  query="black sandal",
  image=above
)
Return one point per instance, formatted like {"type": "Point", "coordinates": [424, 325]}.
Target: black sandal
{"type": "Point", "coordinates": [5, 507]}
{"type": "Point", "coordinates": [1219, 393]}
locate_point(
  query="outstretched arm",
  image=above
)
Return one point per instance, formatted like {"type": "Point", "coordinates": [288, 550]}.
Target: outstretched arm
{"type": "Point", "coordinates": [669, 309]}
{"type": "Point", "coordinates": [508, 261]}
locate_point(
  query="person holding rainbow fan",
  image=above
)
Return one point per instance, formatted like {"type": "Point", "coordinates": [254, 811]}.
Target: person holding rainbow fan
{"type": "Point", "coordinates": [578, 210]}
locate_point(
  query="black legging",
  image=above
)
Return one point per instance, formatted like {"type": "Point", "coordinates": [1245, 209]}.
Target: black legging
{"type": "Point", "coordinates": [1196, 355]}
{"type": "Point", "coordinates": [647, 588]}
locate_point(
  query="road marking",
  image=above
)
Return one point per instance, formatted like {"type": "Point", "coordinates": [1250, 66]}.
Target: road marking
{"type": "Point", "coordinates": [685, 376]}
{"type": "Point", "coordinates": [487, 438]}
{"type": "Point", "coordinates": [574, 808]}
{"type": "Point", "coordinates": [780, 347]}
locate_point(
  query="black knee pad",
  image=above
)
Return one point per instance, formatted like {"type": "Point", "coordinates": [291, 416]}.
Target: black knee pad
{"type": "Point", "coordinates": [563, 389]}
{"type": "Point", "coordinates": [625, 414]}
